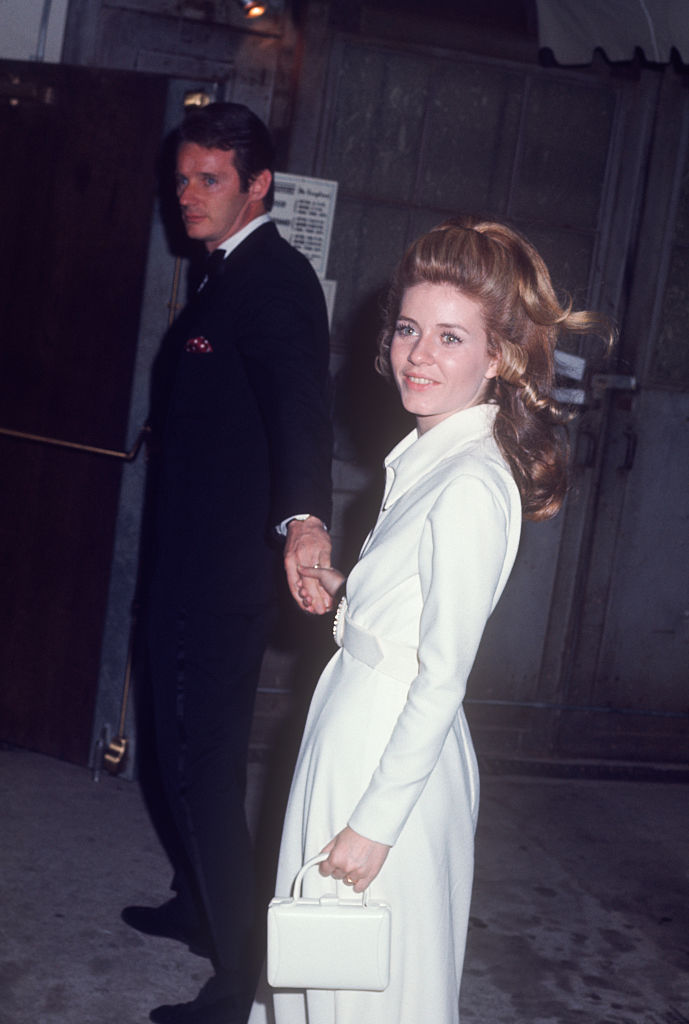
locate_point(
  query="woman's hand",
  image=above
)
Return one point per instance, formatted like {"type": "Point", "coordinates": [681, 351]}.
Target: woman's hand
{"type": "Point", "coordinates": [307, 542]}
{"type": "Point", "coordinates": [327, 580]}
{"type": "Point", "coordinates": [353, 859]}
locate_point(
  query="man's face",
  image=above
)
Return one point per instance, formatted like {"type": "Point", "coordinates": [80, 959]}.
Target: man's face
{"type": "Point", "coordinates": [211, 199]}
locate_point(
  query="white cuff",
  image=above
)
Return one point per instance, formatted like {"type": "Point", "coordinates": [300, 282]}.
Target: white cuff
{"type": "Point", "coordinates": [281, 528]}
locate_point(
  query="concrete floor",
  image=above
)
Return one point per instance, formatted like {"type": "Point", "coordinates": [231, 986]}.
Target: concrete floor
{"type": "Point", "coordinates": [581, 909]}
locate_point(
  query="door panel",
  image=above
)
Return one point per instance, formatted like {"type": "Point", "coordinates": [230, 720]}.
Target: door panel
{"type": "Point", "coordinates": [470, 108]}
{"type": "Point", "coordinates": [565, 144]}
{"type": "Point", "coordinates": [643, 660]}
{"type": "Point", "coordinates": [373, 145]}
{"type": "Point", "coordinates": [630, 661]}
{"type": "Point", "coordinates": [77, 184]}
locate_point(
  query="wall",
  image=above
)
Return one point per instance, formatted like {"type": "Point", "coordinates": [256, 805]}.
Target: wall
{"type": "Point", "coordinates": [287, 69]}
{"type": "Point", "coordinates": [32, 29]}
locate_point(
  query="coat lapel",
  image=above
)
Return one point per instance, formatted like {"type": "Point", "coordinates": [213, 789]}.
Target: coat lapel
{"type": "Point", "coordinates": [416, 455]}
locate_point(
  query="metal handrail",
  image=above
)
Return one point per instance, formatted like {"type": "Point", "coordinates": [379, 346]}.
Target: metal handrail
{"type": "Point", "coordinates": [143, 433]}
{"type": "Point", "coordinates": [129, 456]}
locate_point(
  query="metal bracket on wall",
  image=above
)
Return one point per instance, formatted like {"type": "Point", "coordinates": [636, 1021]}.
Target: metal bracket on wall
{"type": "Point", "coordinates": [14, 91]}
{"type": "Point", "coordinates": [612, 382]}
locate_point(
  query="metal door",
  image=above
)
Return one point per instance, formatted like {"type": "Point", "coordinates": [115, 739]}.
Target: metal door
{"type": "Point", "coordinates": [414, 136]}
{"type": "Point", "coordinates": [627, 684]}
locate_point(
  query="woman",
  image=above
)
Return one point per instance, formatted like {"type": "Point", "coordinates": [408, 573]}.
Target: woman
{"type": "Point", "coordinates": [386, 780]}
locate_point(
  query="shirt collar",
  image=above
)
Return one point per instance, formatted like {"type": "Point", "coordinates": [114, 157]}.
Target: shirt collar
{"type": "Point", "coordinates": [231, 243]}
{"type": "Point", "coordinates": [416, 454]}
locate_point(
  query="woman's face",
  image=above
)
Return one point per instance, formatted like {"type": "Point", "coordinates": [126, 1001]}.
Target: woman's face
{"type": "Point", "coordinates": [439, 353]}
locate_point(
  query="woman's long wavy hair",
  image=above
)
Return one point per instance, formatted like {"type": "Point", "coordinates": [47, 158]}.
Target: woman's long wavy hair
{"type": "Point", "coordinates": [497, 267]}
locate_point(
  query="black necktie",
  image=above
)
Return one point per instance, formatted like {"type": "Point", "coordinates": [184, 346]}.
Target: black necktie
{"type": "Point", "coordinates": [213, 265]}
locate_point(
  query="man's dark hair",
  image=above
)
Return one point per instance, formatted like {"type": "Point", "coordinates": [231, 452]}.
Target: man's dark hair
{"type": "Point", "coordinates": [233, 126]}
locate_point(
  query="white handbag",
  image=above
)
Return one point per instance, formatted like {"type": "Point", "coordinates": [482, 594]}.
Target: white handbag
{"type": "Point", "coordinates": [330, 942]}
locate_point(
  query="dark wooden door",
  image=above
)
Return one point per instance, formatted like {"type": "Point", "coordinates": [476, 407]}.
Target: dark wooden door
{"type": "Point", "coordinates": [77, 188]}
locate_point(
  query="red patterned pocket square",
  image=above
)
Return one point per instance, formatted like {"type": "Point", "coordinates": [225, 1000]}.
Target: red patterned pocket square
{"type": "Point", "coordinates": [199, 344]}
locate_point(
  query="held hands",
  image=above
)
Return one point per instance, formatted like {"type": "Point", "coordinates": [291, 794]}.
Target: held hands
{"type": "Point", "coordinates": [308, 544]}
{"type": "Point", "coordinates": [353, 859]}
{"type": "Point", "coordinates": [328, 580]}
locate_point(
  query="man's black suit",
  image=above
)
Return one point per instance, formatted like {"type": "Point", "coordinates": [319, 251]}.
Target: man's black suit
{"type": "Point", "coordinates": [245, 444]}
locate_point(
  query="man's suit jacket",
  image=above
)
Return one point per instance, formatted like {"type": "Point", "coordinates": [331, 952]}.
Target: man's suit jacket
{"type": "Point", "coordinates": [246, 440]}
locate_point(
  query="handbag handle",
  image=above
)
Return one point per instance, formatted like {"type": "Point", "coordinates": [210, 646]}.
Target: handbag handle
{"type": "Point", "coordinates": [296, 890]}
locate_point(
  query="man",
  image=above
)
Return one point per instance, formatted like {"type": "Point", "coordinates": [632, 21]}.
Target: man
{"type": "Point", "coordinates": [245, 456]}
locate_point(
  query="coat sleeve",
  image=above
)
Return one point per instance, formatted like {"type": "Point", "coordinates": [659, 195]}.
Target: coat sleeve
{"type": "Point", "coordinates": [461, 558]}
{"type": "Point", "coordinates": [285, 351]}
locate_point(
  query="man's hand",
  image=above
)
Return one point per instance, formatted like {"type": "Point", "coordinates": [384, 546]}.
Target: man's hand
{"type": "Point", "coordinates": [308, 543]}
{"type": "Point", "coordinates": [353, 859]}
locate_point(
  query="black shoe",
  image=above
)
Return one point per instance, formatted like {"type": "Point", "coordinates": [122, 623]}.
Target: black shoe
{"type": "Point", "coordinates": [211, 1006]}
{"type": "Point", "coordinates": [168, 922]}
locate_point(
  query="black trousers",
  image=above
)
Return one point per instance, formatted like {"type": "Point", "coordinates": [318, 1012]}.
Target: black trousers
{"type": "Point", "coordinates": [204, 667]}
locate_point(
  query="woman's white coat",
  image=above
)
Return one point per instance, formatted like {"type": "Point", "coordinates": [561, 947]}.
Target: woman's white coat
{"type": "Point", "coordinates": [386, 747]}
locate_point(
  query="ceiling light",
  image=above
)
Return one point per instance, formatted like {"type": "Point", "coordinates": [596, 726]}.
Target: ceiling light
{"type": "Point", "coordinates": [252, 8]}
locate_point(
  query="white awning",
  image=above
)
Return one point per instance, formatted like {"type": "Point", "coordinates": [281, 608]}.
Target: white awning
{"type": "Point", "coordinates": [573, 29]}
